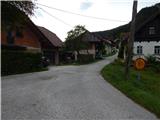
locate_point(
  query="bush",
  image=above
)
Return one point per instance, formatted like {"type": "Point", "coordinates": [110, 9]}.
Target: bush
{"type": "Point", "coordinates": [121, 52]}
{"type": "Point", "coordinates": [14, 62]}
{"type": "Point", "coordinates": [153, 63]}
{"type": "Point", "coordinates": [151, 59]}
{"type": "Point", "coordinates": [85, 58]}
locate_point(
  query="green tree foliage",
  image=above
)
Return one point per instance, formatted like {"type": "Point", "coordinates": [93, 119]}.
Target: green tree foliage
{"type": "Point", "coordinates": [121, 52]}
{"type": "Point", "coordinates": [123, 45]}
{"type": "Point", "coordinates": [74, 40]}
{"type": "Point", "coordinates": [26, 6]}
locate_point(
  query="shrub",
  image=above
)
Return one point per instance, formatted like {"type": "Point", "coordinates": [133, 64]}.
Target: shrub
{"type": "Point", "coordinates": [151, 59]}
{"type": "Point", "coordinates": [153, 63]}
{"type": "Point", "coordinates": [121, 52]}
{"type": "Point", "coordinates": [14, 62]}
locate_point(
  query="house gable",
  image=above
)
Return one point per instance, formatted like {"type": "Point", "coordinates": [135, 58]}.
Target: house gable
{"type": "Point", "coordinates": [147, 36]}
{"type": "Point", "coordinates": [51, 37]}
{"type": "Point", "coordinates": [149, 31]}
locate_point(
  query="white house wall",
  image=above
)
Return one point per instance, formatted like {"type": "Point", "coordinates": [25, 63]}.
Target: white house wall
{"type": "Point", "coordinates": [148, 47]}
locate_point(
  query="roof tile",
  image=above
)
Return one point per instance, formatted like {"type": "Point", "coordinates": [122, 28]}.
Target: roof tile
{"type": "Point", "coordinates": [52, 37]}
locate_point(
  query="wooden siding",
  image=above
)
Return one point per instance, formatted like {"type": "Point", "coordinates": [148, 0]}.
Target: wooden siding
{"type": "Point", "coordinates": [143, 33]}
{"type": "Point", "coordinates": [29, 39]}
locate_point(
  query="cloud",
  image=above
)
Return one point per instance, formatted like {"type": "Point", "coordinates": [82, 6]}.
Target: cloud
{"type": "Point", "coordinates": [85, 5]}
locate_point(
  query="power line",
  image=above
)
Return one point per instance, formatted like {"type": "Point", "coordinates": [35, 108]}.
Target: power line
{"type": "Point", "coordinates": [131, 2]}
{"type": "Point", "coordinates": [56, 18]}
{"type": "Point", "coordinates": [93, 17]}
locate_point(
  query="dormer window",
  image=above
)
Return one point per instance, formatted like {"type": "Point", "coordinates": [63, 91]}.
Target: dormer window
{"type": "Point", "coordinates": [152, 30]}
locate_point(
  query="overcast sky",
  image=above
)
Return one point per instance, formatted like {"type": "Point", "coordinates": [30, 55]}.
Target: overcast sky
{"type": "Point", "coordinates": [115, 12]}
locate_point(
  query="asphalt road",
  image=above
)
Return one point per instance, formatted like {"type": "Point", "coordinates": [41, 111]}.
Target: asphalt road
{"type": "Point", "coordinates": [67, 92]}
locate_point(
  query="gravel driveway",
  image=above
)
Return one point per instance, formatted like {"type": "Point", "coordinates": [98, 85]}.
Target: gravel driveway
{"type": "Point", "coordinates": [67, 92]}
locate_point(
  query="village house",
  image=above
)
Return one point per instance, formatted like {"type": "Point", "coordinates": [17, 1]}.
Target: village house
{"type": "Point", "coordinates": [22, 37]}
{"type": "Point", "coordinates": [108, 43]}
{"type": "Point", "coordinates": [147, 37]}
{"type": "Point", "coordinates": [51, 47]}
{"type": "Point", "coordinates": [94, 44]}
{"type": "Point", "coordinates": [31, 38]}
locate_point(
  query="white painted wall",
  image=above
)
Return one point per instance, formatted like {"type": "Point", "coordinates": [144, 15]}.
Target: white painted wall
{"type": "Point", "coordinates": [148, 48]}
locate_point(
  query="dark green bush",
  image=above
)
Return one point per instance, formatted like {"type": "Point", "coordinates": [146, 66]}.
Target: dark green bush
{"type": "Point", "coordinates": [151, 59]}
{"type": "Point", "coordinates": [14, 62]}
{"type": "Point", "coordinates": [153, 63]}
{"type": "Point", "coordinates": [82, 58]}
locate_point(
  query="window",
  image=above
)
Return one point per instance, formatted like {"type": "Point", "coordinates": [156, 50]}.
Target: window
{"type": "Point", "coordinates": [139, 50]}
{"type": "Point", "coordinates": [10, 38]}
{"type": "Point", "coordinates": [157, 50]}
{"type": "Point", "coordinates": [19, 32]}
{"type": "Point", "coordinates": [152, 30]}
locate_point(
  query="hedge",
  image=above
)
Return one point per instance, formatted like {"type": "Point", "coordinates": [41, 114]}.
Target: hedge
{"type": "Point", "coordinates": [14, 62]}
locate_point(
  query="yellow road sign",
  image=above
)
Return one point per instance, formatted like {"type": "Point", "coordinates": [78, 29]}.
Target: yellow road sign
{"type": "Point", "coordinates": [139, 64]}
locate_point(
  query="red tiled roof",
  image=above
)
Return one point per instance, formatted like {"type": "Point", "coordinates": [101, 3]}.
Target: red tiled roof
{"type": "Point", "coordinates": [52, 37]}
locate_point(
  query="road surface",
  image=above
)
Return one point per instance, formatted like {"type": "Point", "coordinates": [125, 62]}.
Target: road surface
{"type": "Point", "coordinates": [67, 92]}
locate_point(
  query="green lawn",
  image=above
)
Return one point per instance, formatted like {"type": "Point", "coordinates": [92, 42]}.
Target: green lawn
{"type": "Point", "coordinates": [145, 91]}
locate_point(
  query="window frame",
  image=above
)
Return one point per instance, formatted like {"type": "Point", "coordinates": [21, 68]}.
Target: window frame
{"type": "Point", "coordinates": [10, 38]}
{"type": "Point", "coordinates": [157, 50]}
{"type": "Point", "coordinates": [139, 49]}
{"type": "Point", "coordinates": [152, 30]}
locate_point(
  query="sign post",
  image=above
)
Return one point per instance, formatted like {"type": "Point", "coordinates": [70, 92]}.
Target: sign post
{"type": "Point", "coordinates": [139, 64]}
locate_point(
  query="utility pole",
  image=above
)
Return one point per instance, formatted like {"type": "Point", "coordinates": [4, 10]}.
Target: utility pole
{"type": "Point", "coordinates": [131, 41]}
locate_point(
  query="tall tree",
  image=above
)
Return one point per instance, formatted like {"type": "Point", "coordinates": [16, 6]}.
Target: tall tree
{"type": "Point", "coordinates": [74, 40]}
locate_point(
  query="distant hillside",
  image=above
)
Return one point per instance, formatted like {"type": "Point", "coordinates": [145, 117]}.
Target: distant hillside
{"type": "Point", "coordinates": [113, 33]}
{"type": "Point", "coordinates": [142, 15]}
